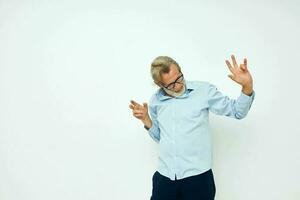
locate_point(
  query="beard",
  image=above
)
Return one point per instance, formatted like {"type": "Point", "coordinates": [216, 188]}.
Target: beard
{"type": "Point", "coordinates": [176, 94]}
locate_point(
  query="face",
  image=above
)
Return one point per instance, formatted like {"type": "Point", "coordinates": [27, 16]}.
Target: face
{"type": "Point", "coordinates": [170, 77]}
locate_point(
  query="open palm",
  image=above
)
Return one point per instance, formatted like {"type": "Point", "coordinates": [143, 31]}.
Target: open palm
{"type": "Point", "coordinates": [240, 73]}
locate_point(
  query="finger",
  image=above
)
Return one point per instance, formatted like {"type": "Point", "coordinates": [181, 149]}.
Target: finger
{"type": "Point", "coordinates": [242, 66]}
{"type": "Point", "coordinates": [234, 61]}
{"type": "Point", "coordinates": [138, 115]}
{"type": "Point", "coordinates": [245, 62]}
{"type": "Point", "coordinates": [231, 76]}
{"type": "Point", "coordinates": [137, 112]}
{"type": "Point", "coordinates": [131, 106]}
{"type": "Point", "coordinates": [134, 103]}
{"type": "Point", "coordinates": [229, 66]}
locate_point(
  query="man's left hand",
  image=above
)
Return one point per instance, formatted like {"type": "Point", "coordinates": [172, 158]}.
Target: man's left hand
{"type": "Point", "coordinates": [241, 75]}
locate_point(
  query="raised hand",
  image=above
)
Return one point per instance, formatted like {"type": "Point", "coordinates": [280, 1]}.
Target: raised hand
{"type": "Point", "coordinates": [240, 74]}
{"type": "Point", "coordinates": [139, 111]}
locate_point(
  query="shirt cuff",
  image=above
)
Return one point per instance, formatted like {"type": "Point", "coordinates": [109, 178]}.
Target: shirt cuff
{"type": "Point", "coordinates": [245, 96]}
{"type": "Point", "coordinates": [245, 99]}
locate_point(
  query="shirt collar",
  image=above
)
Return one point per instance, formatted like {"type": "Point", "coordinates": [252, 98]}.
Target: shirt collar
{"type": "Point", "coordinates": [163, 96]}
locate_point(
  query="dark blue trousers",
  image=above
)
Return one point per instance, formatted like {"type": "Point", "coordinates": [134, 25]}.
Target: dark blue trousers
{"type": "Point", "coordinates": [198, 187]}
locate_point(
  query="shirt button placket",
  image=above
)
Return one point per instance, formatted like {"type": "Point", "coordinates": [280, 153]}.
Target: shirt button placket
{"type": "Point", "coordinates": [174, 137]}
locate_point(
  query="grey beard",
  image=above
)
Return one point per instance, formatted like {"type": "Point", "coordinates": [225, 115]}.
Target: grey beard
{"type": "Point", "coordinates": [176, 94]}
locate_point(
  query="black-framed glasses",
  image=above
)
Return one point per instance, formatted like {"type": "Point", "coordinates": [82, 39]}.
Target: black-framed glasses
{"type": "Point", "coordinates": [179, 79]}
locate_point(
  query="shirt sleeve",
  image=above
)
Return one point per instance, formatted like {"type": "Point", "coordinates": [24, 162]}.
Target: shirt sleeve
{"type": "Point", "coordinates": [222, 105]}
{"type": "Point", "coordinates": [154, 130]}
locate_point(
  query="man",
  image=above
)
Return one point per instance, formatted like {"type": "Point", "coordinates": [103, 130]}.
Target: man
{"type": "Point", "coordinates": [179, 123]}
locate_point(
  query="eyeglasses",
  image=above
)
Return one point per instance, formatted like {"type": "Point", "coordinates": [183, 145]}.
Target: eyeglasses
{"type": "Point", "coordinates": [172, 85]}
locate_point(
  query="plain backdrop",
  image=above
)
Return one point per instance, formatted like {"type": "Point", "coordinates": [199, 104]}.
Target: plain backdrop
{"type": "Point", "coordinates": [68, 70]}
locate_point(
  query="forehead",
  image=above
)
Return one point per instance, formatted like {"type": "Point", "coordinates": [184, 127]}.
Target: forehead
{"type": "Point", "coordinates": [170, 77]}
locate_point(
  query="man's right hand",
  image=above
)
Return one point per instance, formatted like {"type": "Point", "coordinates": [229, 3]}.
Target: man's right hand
{"type": "Point", "coordinates": [141, 112]}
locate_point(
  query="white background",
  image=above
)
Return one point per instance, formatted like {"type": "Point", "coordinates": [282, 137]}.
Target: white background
{"type": "Point", "coordinates": [68, 70]}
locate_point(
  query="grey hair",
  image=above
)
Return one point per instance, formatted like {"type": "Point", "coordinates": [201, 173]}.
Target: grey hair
{"type": "Point", "coordinates": [160, 65]}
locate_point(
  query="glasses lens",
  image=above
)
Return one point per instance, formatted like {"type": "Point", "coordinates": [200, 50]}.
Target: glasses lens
{"type": "Point", "coordinates": [172, 85]}
{"type": "Point", "coordinates": [169, 87]}
{"type": "Point", "coordinates": [180, 79]}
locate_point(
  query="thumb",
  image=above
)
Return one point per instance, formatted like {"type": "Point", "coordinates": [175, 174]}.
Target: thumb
{"type": "Point", "coordinates": [231, 76]}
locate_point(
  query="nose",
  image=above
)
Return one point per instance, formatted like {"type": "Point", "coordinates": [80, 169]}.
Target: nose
{"type": "Point", "coordinates": [178, 87]}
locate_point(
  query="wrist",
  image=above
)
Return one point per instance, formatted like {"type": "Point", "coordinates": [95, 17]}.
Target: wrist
{"type": "Point", "coordinates": [247, 90]}
{"type": "Point", "coordinates": [147, 122]}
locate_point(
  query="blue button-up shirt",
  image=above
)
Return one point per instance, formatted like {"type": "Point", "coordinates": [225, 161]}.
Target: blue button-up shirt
{"type": "Point", "coordinates": [180, 125]}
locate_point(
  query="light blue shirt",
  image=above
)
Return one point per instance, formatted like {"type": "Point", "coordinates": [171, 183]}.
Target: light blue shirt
{"type": "Point", "coordinates": [180, 125]}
